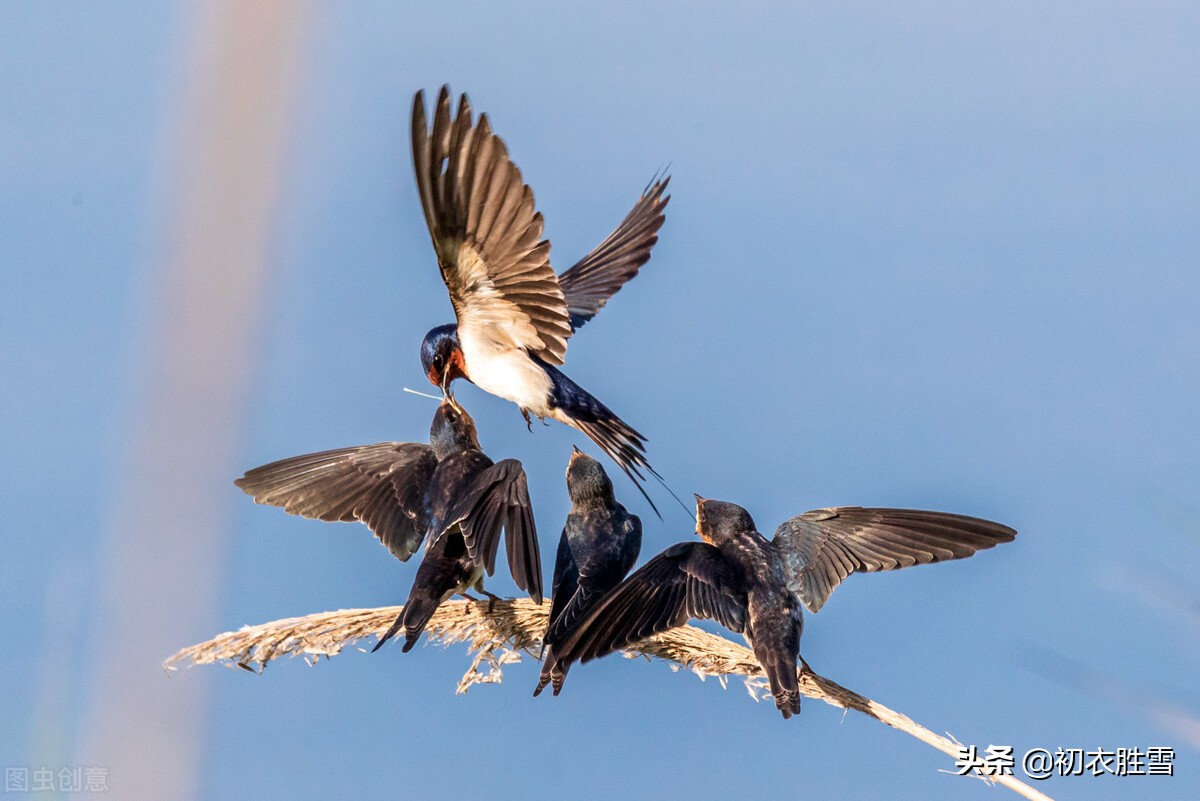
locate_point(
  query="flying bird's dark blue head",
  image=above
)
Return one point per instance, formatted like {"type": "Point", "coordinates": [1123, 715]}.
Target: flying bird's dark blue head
{"type": "Point", "coordinates": [717, 521]}
{"type": "Point", "coordinates": [586, 480]}
{"type": "Point", "coordinates": [442, 357]}
{"type": "Point", "coordinates": [452, 430]}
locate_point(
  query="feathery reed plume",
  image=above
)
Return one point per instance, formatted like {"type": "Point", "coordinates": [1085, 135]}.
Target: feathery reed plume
{"type": "Point", "coordinates": [498, 638]}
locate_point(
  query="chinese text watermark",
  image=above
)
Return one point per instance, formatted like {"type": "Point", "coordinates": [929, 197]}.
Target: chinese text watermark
{"type": "Point", "coordinates": [1042, 763]}
{"type": "Point", "coordinates": [74, 779]}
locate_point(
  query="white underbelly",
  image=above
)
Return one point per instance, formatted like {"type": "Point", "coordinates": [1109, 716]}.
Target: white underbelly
{"type": "Point", "coordinates": [509, 374]}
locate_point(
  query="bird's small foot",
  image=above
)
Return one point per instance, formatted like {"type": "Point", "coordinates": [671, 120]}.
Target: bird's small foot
{"type": "Point", "coordinates": [528, 420]}
{"type": "Point", "coordinates": [471, 597]}
{"type": "Point", "coordinates": [491, 600]}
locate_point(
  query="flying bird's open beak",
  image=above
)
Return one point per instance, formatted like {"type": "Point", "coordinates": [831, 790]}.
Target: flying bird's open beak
{"type": "Point", "coordinates": [447, 393]}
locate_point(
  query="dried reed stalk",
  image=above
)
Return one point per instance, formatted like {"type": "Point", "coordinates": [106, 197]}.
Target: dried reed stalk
{"type": "Point", "coordinates": [497, 637]}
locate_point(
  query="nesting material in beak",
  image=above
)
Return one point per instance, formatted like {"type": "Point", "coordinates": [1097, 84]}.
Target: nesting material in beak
{"type": "Point", "coordinates": [422, 394]}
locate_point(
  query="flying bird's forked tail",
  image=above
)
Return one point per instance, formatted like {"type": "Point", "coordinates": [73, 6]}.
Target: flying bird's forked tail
{"type": "Point", "coordinates": [578, 408]}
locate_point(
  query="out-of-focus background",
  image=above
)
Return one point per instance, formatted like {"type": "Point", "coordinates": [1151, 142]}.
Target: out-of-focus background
{"type": "Point", "coordinates": [937, 255]}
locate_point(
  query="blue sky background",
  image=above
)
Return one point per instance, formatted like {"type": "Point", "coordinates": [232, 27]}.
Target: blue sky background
{"type": "Point", "coordinates": [940, 256]}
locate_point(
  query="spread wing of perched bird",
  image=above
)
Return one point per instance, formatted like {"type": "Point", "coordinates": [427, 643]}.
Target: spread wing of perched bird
{"type": "Point", "coordinates": [470, 500]}
{"type": "Point", "coordinates": [514, 314]}
{"type": "Point", "coordinates": [448, 493]}
{"type": "Point", "coordinates": [497, 498]}
{"type": "Point", "coordinates": [381, 485]}
{"type": "Point", "coordinates": [687, 580]}
{"type": "Point", "coordinates": [757, 587]}
{"type": "Point", "coordinates": [821, 548]}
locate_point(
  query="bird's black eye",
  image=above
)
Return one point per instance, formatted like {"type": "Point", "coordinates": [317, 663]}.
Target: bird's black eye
{"type": "Point", "coordinates": [437, 361]}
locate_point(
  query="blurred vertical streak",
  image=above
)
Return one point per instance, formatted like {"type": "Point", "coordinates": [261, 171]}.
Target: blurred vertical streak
{"type": "Point", "coordinates": [161, 565]}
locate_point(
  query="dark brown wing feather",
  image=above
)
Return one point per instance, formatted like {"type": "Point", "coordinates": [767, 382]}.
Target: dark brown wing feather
{"type": "Point", "coordinates": [691, 579]}
{"type": "Point", "coordinates": [499, 499]}
{"type": "Point", "coordinates": [821, 548]}
{"type": "Point", "coordinates": [564, 585]}
{"type": "Point", "coordinates": [487, 233]}
{"type": "Point", "coordinates": [588, 285]}
{"type": "Point", "coordinates": [382, 485]}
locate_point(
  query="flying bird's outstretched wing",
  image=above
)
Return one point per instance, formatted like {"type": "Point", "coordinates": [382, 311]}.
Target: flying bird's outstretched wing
{"type": "Point", "coordinates": [487, 234]}
{"type": "Point", "coordinates": [821, 548]}
{"type": "Point", "coordinates": [499, 499]}
{"type": "Point", "coordinates": [382, 485]}
{"type": "Point", "coordinates": [691, 579]}
{"type": "Point", "coordinates": [590, 283]}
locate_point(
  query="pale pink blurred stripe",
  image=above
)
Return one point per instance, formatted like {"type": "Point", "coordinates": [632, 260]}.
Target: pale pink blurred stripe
{"type": "Point", "coordinates": [163, 560]}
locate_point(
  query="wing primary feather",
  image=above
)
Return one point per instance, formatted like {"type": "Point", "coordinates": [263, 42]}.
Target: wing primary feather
{"type": "Point", "coordinates": [593, 280]}
{"type": "Point", "coordinates": [677, 584]}
{"type": "Point", "coordinates": [381, 485]}
{"type": "Point", "coordinates": [821, 548]}
{"type": "Point", "coordinates": [498, 501]}
{"type": "Point", "coordinates": [487, 234]}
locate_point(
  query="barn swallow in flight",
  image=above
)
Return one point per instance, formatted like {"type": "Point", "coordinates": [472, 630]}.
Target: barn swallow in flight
{"type": "Point", "coordinates": [514, 315]}
{"type": "Point", "coordinates": [448, 491]}
{"type": "Point", "coordinates": [756, 587]}
{"type": "Point", "coordinates": [599, 545]}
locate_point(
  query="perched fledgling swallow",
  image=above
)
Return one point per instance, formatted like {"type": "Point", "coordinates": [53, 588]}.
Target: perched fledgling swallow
{"type": "Point", "coordinates": [599, 546]}
{"type": "Point", "coordinates": [514, 315]}
{"type": "Point", "coordinates": [448, 491]}
{"type": "Point", "coordinates": [469, 500]}
{"type": "Point", "coordinates": [756, 587]}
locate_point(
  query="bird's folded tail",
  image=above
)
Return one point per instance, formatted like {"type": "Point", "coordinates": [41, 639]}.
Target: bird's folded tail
{"type": "Point", "coordinates": [391, 632]}
{"type": "Point", "coordinates": [781, 675]}
{"type": "Point", "coordinates": [553, 673]}
{"type": "Point", "coordinates": [417, 613]}
{"type": "Point", "coordinates": [413, 619]}
{"type": "Point", "coordinates": [561, 624]}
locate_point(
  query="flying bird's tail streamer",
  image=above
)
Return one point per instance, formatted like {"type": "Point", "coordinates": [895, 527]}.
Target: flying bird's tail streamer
{"type": "Point", "coordinates": [579, 409]}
